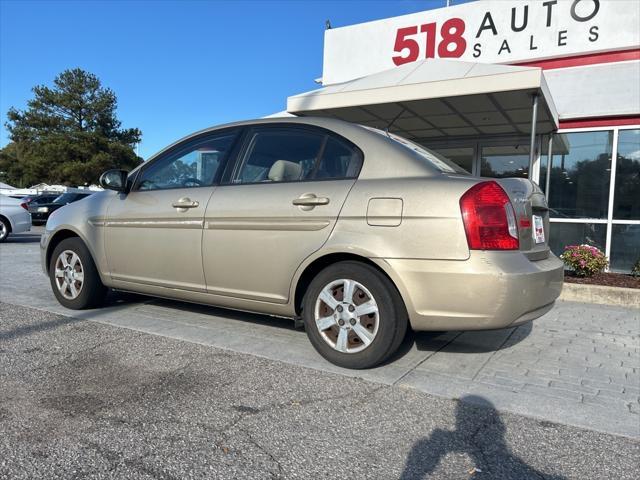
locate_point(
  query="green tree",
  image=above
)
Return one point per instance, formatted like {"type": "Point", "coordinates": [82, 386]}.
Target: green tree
{"type": "Point", "coordinates": [68, 134]}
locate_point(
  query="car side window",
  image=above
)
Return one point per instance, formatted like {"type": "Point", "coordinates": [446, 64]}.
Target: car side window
{"type": "Point", "coordinates": [195, 164]}
{"type": "Point", "coordinates": [285, 155]}
{"type": "Point", "coordinates": [339, 160]}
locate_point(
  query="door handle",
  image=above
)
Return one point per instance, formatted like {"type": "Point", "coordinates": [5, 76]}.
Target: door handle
{"type": "Point", "coordinates": [309, 201]}
{"type": "Point", "coordinates": [184, 203]}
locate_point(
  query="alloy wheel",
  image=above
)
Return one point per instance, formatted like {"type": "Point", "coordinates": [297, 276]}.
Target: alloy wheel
{"type": "Point", "coordinates": [347, 316]}
{"type": "Point", "coordinates": [69, 274]}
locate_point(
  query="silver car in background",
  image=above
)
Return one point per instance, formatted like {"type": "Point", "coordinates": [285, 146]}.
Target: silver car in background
{"type": "Point", "coordinates": [358, 232]}
{"type": "Point", "coordinates": [14, 217]}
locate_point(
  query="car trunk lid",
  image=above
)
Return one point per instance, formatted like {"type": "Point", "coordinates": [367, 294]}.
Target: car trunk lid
{"type": "Point", "coordinates": [532, 215]}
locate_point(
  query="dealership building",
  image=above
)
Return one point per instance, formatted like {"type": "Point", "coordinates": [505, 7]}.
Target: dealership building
{"type": "Point", "coordinates": [548, 90]}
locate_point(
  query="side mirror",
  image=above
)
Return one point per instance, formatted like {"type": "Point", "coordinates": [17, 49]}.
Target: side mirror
{"type": "Point", "coordinates": [114, 180]}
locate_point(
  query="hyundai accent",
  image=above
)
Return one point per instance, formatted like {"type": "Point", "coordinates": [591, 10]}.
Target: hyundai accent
{"type": "Point", "coordinates": [358, 233]}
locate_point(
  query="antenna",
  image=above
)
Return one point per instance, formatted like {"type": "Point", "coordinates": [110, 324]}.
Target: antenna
{"type": "Point", "coordinates": [386, 130]}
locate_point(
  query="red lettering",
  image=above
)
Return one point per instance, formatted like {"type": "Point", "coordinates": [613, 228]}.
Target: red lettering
{"type": "Point", "coordinates": [451, 32]}
{"type": "Point", "coordinates": [402, 42]}
{"type": "Point", "coordinates": [430, 30]}
{"type": "Point", "coordinates": [452, 43]}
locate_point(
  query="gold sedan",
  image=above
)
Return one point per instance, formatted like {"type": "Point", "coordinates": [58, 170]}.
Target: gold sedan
{"type": "Point", "coordinates": [358, 232]}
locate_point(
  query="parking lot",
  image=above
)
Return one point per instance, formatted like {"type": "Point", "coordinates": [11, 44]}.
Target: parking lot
{"type": "Point", "coordinates": [156, 388]}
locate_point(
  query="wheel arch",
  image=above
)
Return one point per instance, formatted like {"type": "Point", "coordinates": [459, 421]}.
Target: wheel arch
{"type": "Point", "coordinates": [63, 232]}
{"type": "Point", "coordinates": [322, 262]}
{"type": "Point", "coordinates": [55, 240]}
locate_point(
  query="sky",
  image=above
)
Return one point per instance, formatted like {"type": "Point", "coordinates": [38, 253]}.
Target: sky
{"type": "Point", "coordinates": [177, 66]}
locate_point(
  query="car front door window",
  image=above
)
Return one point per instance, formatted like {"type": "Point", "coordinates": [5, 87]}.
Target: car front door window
{"type": "Point", "coordinates": [194, 165]}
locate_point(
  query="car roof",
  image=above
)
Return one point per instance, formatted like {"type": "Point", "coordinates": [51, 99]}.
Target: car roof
{"type": "Point", "coordinates": [332, 124]}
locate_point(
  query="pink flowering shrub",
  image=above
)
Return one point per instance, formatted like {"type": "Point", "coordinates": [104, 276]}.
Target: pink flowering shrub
{"type": "Point", "coordinates": [635, 271]}
{"type": "Point", "coordinates": [584, 260]}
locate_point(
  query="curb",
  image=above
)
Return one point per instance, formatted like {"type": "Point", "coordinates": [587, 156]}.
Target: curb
{"type": "Point", "coordinates": [625, 297]}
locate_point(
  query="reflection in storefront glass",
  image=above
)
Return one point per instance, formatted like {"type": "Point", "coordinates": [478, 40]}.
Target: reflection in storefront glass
{"type": "Point", "coordinates": [626, 203]}
{"type": "Point", "coordinates": [625, 247]}
{"type": "Point", "coordinates": [564, 234]}
{"type": "Point", "coordinates": [505, 161]}
{"type": "Point", "coordinates": [580, 173]}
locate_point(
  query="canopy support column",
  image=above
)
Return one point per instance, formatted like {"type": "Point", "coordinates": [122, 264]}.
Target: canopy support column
{"type": "Point", "coordinates": [532, 146]}
{"type": "Point", "coordinates": [549, 166]}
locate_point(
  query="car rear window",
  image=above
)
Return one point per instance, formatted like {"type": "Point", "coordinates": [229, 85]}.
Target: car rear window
{"type": "Point", "coordinates": [432, 158]}
{"type": "Point", "coordinates": [70, 197]}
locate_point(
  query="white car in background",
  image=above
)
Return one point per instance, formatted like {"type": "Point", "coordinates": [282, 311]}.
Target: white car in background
{"type": "Point", "coordinates": [14, 217]}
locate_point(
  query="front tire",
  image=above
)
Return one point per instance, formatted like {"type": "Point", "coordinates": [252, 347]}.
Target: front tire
{"type": "Point", "coordinates": [353, 315]}
{"type": "Point", "coordinates": [74, 277]}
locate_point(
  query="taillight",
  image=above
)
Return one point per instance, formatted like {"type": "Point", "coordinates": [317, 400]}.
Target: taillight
{"type": "Point", "coordinates": [24, 205]}
{"type": "Point", "coordinates": [489, 219]}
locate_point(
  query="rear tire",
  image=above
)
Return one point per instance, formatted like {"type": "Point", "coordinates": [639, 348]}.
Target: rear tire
{"type": "Point", "coordinates": [353, 315]}
{"type": "Point", "coordinates": [74, 277]}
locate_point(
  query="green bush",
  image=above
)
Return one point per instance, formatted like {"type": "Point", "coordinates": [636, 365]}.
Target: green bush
{"type": "Point", "coordinates": [635, 271]}
{"type": "Point", "coordinates": [584, 260]}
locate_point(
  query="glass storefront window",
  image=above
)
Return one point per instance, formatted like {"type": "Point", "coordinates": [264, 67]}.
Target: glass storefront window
{"type": "Point", "coordinates": [580, 173]}
{"type": "Point", "coordinates": [563, 234]}
{"type": "Point", "coordinates": [505, 161]}
{"type": "Point", "coordinates": [625, 247]}
{"type": "Point", "coordinates": [626, 203]}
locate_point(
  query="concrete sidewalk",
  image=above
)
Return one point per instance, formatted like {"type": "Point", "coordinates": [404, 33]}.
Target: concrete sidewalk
{"type": "Point", "coordinates": [577, 365]}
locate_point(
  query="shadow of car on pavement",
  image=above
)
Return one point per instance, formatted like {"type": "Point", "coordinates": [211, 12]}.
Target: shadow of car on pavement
{"type": "Point", "coordinates": [23, 238]}
{"type": "Point", "coordinates": [455, 342]}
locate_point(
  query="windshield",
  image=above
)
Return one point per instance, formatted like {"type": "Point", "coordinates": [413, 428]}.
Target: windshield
{"type": "Point", "coordinates": [432, 158]}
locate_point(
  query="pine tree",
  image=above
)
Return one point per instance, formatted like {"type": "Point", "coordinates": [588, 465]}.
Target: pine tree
{"type": "Point", "coordinates": [68, 134]}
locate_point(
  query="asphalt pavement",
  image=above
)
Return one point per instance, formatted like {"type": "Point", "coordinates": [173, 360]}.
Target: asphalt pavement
{"type": "Point", "coordinates": [579, 364]}
{"type": "Point", "coordinates": [81, 399]}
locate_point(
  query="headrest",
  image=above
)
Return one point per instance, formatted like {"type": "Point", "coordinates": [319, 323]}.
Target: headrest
{"type": "Point", "coordinates": [284, 171]}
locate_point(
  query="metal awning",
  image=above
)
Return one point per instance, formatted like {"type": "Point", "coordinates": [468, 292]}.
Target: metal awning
{"type": "Point", "coordinates": [439, 98]}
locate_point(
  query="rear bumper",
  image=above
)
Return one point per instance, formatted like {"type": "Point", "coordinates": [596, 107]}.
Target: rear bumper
{"type": "Point", "coordinates": [489, 290]}
{"type": "Point", "coordinates": [21, 222]}
{"type": "Point", "coordinates": [39, 216]}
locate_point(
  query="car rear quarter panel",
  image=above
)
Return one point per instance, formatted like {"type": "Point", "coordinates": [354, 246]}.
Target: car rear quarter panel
{"type": "Point", "coordinates": [18, 217]}
{"type": "Point", "coordinates": [429, 226]}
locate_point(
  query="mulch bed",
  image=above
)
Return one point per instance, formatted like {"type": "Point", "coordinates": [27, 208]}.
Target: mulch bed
{"type": "Point", "coordinates": [606, 279]}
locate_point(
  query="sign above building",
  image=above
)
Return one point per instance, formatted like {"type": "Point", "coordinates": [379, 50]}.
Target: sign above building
{"type": "Point", "coordinates": [490, 31]}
